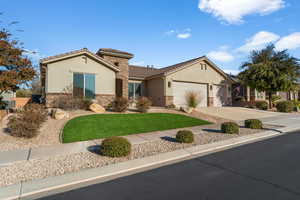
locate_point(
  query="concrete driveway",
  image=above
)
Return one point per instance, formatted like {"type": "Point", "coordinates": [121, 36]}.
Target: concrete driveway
{"type": "Point", "coordinates": [237, 113]}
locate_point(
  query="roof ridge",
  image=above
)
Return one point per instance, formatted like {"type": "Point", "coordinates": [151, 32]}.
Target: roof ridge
{"type": "Point", "coordinates": [183, 62]}
{"type": "Point", "coordinates": [65, 54]}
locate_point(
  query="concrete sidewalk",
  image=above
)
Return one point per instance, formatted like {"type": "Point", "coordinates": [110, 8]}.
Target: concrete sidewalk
{"type": "Point", "coordinates": [8, 157]}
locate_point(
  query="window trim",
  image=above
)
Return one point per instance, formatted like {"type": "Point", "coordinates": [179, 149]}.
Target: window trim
{"type": "Point", "coordinates": [134, 89]}
{"type": "Point", "coordinates": [84, 88]}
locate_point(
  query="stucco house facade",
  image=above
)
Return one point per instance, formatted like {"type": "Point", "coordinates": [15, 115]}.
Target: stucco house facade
{"type": "Point", "coordinates": [107, 74]}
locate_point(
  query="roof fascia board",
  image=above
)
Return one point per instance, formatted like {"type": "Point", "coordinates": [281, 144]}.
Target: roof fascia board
{"type": "Point", "coordinates": [97, 58]}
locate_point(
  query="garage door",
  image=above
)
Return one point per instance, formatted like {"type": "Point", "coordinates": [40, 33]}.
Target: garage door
{"type": "Point", "coordinates": [181, 88]}
{"type": "Point", "coordinates": [219, 94]}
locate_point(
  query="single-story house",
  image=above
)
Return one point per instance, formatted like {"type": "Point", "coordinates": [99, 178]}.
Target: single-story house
{"type": "Point", "coordinates": [107, 74]}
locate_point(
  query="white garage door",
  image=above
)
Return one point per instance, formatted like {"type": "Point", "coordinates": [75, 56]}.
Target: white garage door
{"type": "Point", "coordinates": [219, 94]}
{"type": "Point", "coordinates": [181, 88]}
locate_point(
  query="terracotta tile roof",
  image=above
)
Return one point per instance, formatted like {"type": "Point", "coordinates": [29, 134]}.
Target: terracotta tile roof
{"type": "Point", "coordinates": [145, 72]}
{"type": "Point", "coordinates": [76, 52]}
{"type": "Point", "coordinates": [109, 50]}
{"type": "Point", "coordinates": [64, 54]}
{"type": "Point", "coordinates": [142, 72]}
{"type": "Point", "coordinates": [178, 65]}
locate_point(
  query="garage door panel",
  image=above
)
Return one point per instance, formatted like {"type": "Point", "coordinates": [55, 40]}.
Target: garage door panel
{"type": "Point", "coordinates": [180, 90]}
{"type": "Point", "coordinates": [219, 94]}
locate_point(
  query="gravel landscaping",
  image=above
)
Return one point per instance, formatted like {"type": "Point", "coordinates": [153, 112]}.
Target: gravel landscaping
{"type": "Point", "coordinates": [58, 165]}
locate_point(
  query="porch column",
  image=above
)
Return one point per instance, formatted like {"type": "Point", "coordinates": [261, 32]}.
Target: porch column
{"type": "Point", "coordinates": [210, 97]}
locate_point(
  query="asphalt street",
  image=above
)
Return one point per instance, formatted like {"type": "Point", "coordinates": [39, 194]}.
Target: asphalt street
{"type": "Point", "coordinates": [264, 170]}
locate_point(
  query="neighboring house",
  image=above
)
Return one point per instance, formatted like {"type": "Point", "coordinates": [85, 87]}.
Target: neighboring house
{"type": "Point", "coordinates": [107, 74]}
{"type": "Point", "coordinates": [9, 99]}
{"type": "Point", "coordinates": [8, 96]}
{"type": "Point", "coordinates": [249, 95]}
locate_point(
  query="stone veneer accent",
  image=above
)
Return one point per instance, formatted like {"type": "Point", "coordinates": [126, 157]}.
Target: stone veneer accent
{"type": "Point", "coordinates": [105, 99]}
{"type": "Point", "coordinates": [102, 99]}
{"type": "Point", "coordinates": [168, 100]}
{"type": "Point", "coordinates": [51, 99]}
{"type": "Point", "coordinates": [123, 74]}
{"type": "Point", "coordinates": [210, 102]}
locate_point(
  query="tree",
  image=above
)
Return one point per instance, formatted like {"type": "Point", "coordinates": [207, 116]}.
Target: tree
{"type": "Point", "coordinates": [270, 71]}
{"type": "Point", "coordinates": [15, 68]}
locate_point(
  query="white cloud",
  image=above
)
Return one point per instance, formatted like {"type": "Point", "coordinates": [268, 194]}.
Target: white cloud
{"type": "Point", "coordinates": [170, 32]}
{"type": "Point", "coordinates": [231, 71]}
{"type": "Point", "coordinates": [259, 41]}
{"type": "Point", "coordinates": [184, 35]}
{"type": "Point", "coordinates": [138, 63]}
{"type": "Point", "coordinates": [221, 56]}
{"type": "Point", "coordinates": [290, 42]}
{"type": "Point", "coordinates": [233, 11]}
{"type": "Point", "coordinates": [181, 34]}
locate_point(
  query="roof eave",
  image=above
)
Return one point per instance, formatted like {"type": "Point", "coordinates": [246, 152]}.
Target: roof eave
{"type": "Point", "coordinates": [86, 52]}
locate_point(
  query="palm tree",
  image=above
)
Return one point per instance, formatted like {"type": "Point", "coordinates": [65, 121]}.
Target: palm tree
{"type": "Point", "coordinates": [270, 71]}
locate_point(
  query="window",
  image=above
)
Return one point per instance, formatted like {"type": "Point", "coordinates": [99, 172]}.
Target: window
{"type": "Point", "coordinates": [84, 85]}
{"type": "Point", "coordinates": [260, 95]}
{"type": "Point", "coordinates": [134, 90]}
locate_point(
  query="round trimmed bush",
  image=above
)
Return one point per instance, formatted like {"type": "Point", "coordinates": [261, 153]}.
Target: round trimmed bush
{"type": "Point", "coordinates": [230, 128]}
{"type": "Point", "coordinates": [285, 106]}
{"type": "Point", "coordinates": [253, 124]}
{"type": "Point", "coordinates": [115, 147]}
{"type": "Point", "coordinates": [261, 105]}
{"type": "Point", "coordinates": [185, 136]}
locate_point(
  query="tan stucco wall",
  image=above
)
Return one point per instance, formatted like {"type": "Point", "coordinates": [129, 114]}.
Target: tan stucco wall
{"type": "Point", "coordinates": [60, 75]}
{"type": "Point", "coordinates": [195, 74]}
{"type": "Point", "coordinates": [155, 91]}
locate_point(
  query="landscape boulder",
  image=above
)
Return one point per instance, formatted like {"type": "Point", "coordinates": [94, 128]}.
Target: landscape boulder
{"type": "Point", "coordinates": [96, 108]}
{"type": "Point", "coordinates": [187, 109]}
{"type": "Point", "coordinates": [59, 114]}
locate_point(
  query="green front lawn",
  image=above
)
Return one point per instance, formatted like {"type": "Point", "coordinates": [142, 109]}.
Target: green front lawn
{"type": "Point", "coordinates": [106, 125]}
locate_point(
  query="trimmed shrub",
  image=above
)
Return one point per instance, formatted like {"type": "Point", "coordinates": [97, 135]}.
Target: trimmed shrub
{"type": "Point", "coordinates": [230, 128]}
{"type": "Point", "coordinates": [261, 105]}
{"type": "Point", "coordinates": [171, 106]}
{"type": "Point", "coordinates": [192, 99]}
{"type": "Point", "coordinates": [275, 98]}
{"type": "Point", "coordinates": [296, 105]}
{"type": "Point", "coordinates": [253, 124]}
{"type": "Point", "coordinates": [143, 104]}
{"type": "Point", "coordinates": [185, 136]}
{"type": "Point", "coordinates": [27, 122]}
{"type": "Point", "coordinates": [285, 106]}
{"type": "Point", "coordinates": [120, 104]}
{"type": "Point", "coordinates": [115, 147]}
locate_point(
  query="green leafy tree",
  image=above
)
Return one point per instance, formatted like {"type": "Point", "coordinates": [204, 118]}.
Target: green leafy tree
{"type": "Point", "coordinates": [15, 68]}
{"type": "Point", "coordinates": [270, 71]}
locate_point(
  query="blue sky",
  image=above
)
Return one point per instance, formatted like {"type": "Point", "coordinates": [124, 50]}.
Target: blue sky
{"type": "Point", "coordinates": [159, 33]}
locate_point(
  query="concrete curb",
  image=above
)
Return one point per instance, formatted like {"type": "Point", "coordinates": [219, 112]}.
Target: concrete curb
{"type": "Point", "coordinates": [52, 185]}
